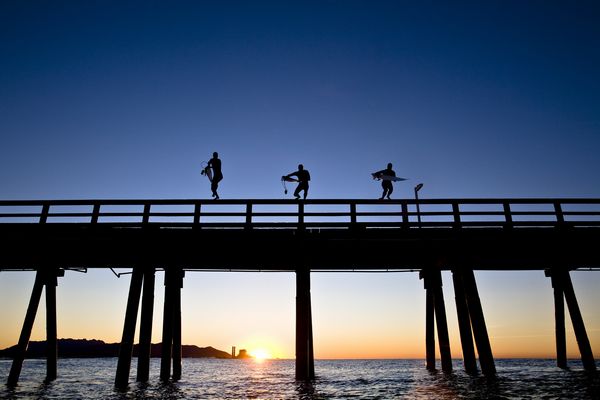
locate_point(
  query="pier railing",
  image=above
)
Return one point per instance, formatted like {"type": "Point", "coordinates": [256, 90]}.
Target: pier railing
{"type": "Point", "coordinates": [263, 213]}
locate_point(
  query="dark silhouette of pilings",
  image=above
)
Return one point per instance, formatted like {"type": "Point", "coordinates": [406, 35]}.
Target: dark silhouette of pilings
{"type": "Point", "coordinates": [464, 323]}
{"type": "Point", "coordinates": [305, 363]}
{"type": "Point", "coordinates": [559, 320]}
{"type": "Point", "coordinates": [429, 330]}
{"type": "Point", "coordinates": [167, 330]}
{"type": "Point", "coordinates": [482, 340]}
{"type": "Point", "coordinates": [432, 279]}
{"type": "Point", "coordinates": [145, 344]}
{"type": "Point", "coordinates": [171, 334]}
{"type": "Point", "coordinates": [34, 301]}
{"type": "Point", "coordinates": [562, 284]}
{"type": "Point", "coordinates": [43, 278]}
{"type": "Point", "coordinates": [51, 327]}
{"type": "Point", "coordinates": [131, 313]}
{"type": "Point", "coordinates": [177, 332]}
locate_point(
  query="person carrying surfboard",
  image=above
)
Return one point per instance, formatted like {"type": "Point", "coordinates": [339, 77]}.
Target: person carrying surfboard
{"type": "Point", "coordinates": [217, 175]}
{"type": "Point", "coordinates": [386, 184]}
{"type": "Point", "coordinates": [303, 178]}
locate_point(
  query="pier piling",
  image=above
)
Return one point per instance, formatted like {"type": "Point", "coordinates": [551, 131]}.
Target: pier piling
{"type": "Point", "coordinates": [171, 342]}
{"type": "Point", "coordinates": [34, 301]}
{"type": "Point", "coordinates": [145, 346]}
{"type": "Point", "coordinates": [442, 323]}
{"type": "Point", "coordinates": [167, 332]}
{"type": "Point", "coordinates": [131, 313]}
{"type": "Point", "coordinates": [559, 320]}
{"type": "Point", "coordinates": [587, 357]}
{"type": "Point", "coordinates": [429, 330]}
{"type": "Point", "coordinates": [432, 280]}
{"type": "Point", "coordinates": [177, 326]}
{"type": "Point", "coordinates": [482, 340]}
{"type": "Point", "coordinates": [305, 368]}
{"type": "Point", "coordinates": [51, 327]}
{"type": "Point", "coordinates": [464, 323]}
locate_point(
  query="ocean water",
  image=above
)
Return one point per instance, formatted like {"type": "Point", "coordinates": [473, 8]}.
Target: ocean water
{"type": "Point", "coordinates": [337, 379]}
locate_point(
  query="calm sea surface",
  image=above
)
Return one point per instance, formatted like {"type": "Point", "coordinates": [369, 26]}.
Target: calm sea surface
{"type": "Point", "coordinates": [339, 379]}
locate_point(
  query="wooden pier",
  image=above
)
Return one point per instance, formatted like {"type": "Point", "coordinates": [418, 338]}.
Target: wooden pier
{"type": "Point", "coordinates": [458, 235]}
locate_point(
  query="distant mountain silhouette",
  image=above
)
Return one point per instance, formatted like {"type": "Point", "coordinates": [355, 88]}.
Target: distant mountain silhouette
{"type": "Point", "coordinates": [83, 348]}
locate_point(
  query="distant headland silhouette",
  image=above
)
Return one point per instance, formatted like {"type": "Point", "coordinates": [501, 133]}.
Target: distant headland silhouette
{"type": "Point", "coordinates": [92, 348]}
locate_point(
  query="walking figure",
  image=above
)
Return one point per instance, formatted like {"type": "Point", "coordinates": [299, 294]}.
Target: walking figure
{"type": "Point", "coordinates": [387, 176]}
{"type": "Point", "coordinates": [215, 176]}
{"type": "Point", "coordinates": [303, 177]}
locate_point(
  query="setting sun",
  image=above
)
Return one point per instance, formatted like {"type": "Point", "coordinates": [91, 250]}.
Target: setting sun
{"type": "Point", "coordinates": [261, 354]}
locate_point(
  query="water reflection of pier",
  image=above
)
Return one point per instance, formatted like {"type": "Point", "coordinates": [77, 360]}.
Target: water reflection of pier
{"type": "Point", "coordinates": [460, 235]}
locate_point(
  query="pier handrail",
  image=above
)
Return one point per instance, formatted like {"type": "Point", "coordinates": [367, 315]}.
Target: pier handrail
{"type": "Point", "coordinates": [320, 213]}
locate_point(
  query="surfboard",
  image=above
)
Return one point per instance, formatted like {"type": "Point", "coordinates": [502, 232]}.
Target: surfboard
{"type": "Point", "coordinates": [388, 178]}
{"type": "Point", "coordinates": [207, 171]}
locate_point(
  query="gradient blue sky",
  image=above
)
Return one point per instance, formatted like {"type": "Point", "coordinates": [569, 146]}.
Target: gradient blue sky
{"type": "Point", "coordinates": [115, 99]}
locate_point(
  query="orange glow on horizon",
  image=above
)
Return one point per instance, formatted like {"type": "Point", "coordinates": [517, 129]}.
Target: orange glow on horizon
{"type": "Point", "coordinates": [261, 354]}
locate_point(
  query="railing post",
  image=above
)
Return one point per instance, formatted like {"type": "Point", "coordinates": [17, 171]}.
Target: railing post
{"type": "Point", "coordinates": [456, 214]}
{"type": "Point", "coordinates": [95, 213]}
{"type": "Point", "coordinates": [301, 215]}
{"type": "Point", "coordinates": [353, 214]}
{"type": "Point", "coordinates": [248, 215]}
{"type": "Point", "coordinates": [405, 221]}
{"type": "Point", "coordinates": [560, 217]}
{"type": "Point", "coordinates": [197, 209]}
{"type": "Point", "coordinates": [44, 214]}
{"type": "Point", "coordinates": [507, 214]}
{"type": "Point", "coordinates": [146, 216]}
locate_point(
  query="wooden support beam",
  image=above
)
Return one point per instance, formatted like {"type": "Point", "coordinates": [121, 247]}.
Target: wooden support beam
{"type": "Point", "coordinates": [177, 325]}
{"type": "Point", "coordinates": [429, 330]}
{"type": "Point", "coordinates": [167, 333]}
{"type": "Point", "coordinates": [441, 322]}
{"type": "Point", "coordinates": [34, 301]}
{"type": "Point", "coordinates": [304, 344]}
{"type": "Point", "coordinates": [435, 308]}
{"type": "Point", "coordinates": [50, 280]}
{"type": "Point", "coordinates": [587, 357]}
{"type": "Point", "coordinates": [559, 321]}
{"type": "Point", "coordinates": [464, 323]}
{"type": "Point", "coordinates": [482, 340]}
{"type": "Point", "coordinates": [311, 352]}
{"type": "Point", "coordinates": [145, 345]}
{"type": "Point", "coordinates": [131, 313]}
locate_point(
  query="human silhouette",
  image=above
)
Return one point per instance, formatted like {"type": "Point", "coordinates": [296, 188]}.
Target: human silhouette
{"type": "Point", "coordinates": [217, 175]}
{"type": "Point", "coordinates": [386, 184]}
{"type": "Point", "coordinates": [303, 178]}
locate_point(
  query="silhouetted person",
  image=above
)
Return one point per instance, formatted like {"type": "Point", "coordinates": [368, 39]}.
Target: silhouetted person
{"type": "Point", "coordinates": [303, 178]}
{"type": "Point", "coordinates": [215, 164]}
{"type": "Point", "coordinates": [386, 184]}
